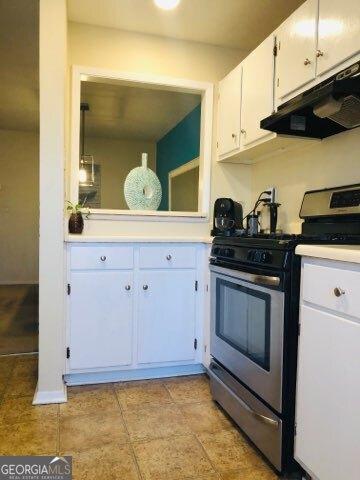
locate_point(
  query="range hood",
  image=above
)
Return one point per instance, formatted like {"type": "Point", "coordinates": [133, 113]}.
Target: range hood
{"type": "Point", "coordinates": [329, 108]}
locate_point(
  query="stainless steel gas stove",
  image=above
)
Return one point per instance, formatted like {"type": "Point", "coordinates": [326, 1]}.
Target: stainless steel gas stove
{"type": "Point", "coordinates": [254, 319]}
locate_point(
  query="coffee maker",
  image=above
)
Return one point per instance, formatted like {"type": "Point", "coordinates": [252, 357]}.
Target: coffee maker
{"type": "Point", "coordinates": [228, 217]}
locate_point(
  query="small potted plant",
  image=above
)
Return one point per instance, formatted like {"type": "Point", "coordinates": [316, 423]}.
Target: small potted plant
{"type": "Point", "coordinates": [76, 220]}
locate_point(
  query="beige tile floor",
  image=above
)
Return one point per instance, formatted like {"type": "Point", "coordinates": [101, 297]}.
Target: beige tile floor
{"type": "Point", "coordinates": [166, 429]}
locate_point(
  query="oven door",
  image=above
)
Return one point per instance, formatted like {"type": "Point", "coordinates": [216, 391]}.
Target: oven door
{"type": "Point", "coordinates": [247, 323]}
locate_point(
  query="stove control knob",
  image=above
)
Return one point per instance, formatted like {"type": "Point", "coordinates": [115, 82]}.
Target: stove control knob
{"type": "Point", "coordinates": [228, 252]}
{"type": "Point", "coordinates": [266, 257]}
{"type": "Point", "coordinates": [257, 256]}
{"type": "Point", "coordinates": [216, 250]}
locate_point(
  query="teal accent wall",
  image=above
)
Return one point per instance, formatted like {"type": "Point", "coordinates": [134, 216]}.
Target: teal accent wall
{"type": "Point", "coordinates": [180, 145]}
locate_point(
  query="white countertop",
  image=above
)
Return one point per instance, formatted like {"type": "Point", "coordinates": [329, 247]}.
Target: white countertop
{"type": "Point", "coordinates": [83, 238]}
{"type": "Point", "coordinates": [342, 253]}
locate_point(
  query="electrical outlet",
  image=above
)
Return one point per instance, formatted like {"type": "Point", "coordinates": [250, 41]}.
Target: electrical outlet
{"type": "Point", "coordinates": [272, 191]}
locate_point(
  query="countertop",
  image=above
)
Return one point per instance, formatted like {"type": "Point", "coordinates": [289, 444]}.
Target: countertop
{"type": "Point", "coordinates": [342, 253]}
{"type": "Point", "coordinates": [83, 238]}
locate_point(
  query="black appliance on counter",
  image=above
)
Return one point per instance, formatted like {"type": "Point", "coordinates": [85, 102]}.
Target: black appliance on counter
{"type": "Point", "coordinates": [228, 217]}
{"type": "Point", "coordinates": [255, 283]}
{"type": "Point", "coordinates": [330, 107]}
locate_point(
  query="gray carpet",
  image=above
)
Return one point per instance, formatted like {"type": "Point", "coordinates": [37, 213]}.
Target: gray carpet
{"type": "Point", "coordinates": [18, 318]}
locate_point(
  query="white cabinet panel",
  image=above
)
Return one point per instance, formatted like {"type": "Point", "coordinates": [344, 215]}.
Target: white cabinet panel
{"type": "Point", "coordinates": [100, 319]}
{"type": "Point", "coordinates": [333, 288]}
{"type": "Point", "coordinates": [229, 112]}
{"type": "Point", "coordinates": [102, 257]}
{"type": "Point", "coordinates": [295, 63]}
{"type": "Point", "coordinates": [339, 32]}
{"type": "Point", "coordinates": [167, 256]}
{"type": "Point", "coordinates": [257, 91]}
{"type": "Point", "coordinates": [166, 321]}
{"type": "Point", "coordinates": [328, 392]}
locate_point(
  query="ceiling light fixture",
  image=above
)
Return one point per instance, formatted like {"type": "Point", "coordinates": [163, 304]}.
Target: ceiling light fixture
{"type": "Point", "coordinates": [167, 4]}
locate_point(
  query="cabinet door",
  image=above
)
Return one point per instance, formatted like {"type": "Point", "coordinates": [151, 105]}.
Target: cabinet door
{"type": "Point", "coordinates": [339, 32]}
{"type": "Point", "coordinates": [295, 61]}
{"type": "Point", "coordinates": [166, 316]}
{"type": "Point", "coordinates": [229, 112]}
{"type": "Point", "coordinates": [100, 319]}
{"type": "Point", "coordinates": [257, 91]}
{"type": "Point", "coordinates": [328, 392]}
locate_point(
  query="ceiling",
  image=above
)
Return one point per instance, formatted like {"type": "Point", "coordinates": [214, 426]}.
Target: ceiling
{"type": "Point", "coordinates": [19, 92]}
{"type": "Point", "coordinates": [131, 112]}
{"type": "Point", "coordinates": [239, 24]}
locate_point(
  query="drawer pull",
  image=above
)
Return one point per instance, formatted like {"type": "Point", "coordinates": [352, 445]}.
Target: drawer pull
{"type": "Point", "coordinates": [127, 288]}
{"type": "Point", "coordinates": [307, 61]}
{"type": "Point", "coordinates": [168, 257]}
{"type": "Point", "coordinates": [145, 287]}
{"type": "Point", "coordinates": [338, 292]}
{"type": "Point", "coordinates": [103, 258]}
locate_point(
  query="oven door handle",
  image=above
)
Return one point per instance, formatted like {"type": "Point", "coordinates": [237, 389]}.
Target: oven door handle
{"type": "Point", "coordinates": [267, 280]}
{"type": "Point", "coordinates": [259, 416]}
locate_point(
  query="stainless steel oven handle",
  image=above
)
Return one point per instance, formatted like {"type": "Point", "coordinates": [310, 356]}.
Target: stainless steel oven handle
{"type": "Point", "coordinates": [250, 277]}
{"type": "Point", "coordinates": [259, 416]}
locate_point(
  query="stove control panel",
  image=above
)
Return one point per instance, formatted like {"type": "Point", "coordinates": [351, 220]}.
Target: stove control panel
{"type": "Point", "coordinates": [245, 255]}
{"type": "Point", "coordinates": [223, 252]}
{"type": "Point", "coordinates": [259, 256]}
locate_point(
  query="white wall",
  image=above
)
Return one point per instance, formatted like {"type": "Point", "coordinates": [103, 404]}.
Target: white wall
{"type": "Point", "coordinates": [117, 157]}
{"type": "Point", "coordinates": [334, 161]}
{"type": "Point", "coordinates": [19, 206]}
{"type": "Point", "coordinates": [120, 50]}
{"type": "Point", "coordinates": [52, 75]}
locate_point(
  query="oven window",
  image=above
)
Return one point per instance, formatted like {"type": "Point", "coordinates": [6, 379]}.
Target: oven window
{"type": "Point", "coordinates": [243, 320]}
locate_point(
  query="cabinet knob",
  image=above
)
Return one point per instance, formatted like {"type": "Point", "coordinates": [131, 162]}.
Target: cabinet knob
{"type": "Point", "coordinates": [338, 292]}
{"type": "Point", "coordinates": [243, 131]}
{"type": "Point", "coordinates": [127, 288]}
{"type": "Point", "coordinates": [103, 258]}
{"type": "Point", "coordinates": [168, 257]}
{"type": "Point", "coordinates": [145, 287]}
{"type": "Point", "coordinates": [319, 53]}
{"type": "Point", "coordinates": [233, 135]}
{"type": "Point", "coordinates": [307, 61]}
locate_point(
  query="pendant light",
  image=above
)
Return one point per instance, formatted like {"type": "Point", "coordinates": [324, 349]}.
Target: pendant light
{"type": "Point", "coordinates": [85, 159]}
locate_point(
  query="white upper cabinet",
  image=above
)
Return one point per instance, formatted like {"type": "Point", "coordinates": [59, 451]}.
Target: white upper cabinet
{"type": "Point", "coordinates": [257, 91]}
{"type": "Point", "coordinates": [229, 112]}
{"type": "Point", "coordinates": [296, 57]}
{"type": "Point", "coordinates": [339, 32]}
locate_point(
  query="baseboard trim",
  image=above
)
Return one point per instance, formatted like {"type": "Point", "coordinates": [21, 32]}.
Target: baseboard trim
{"type": "Point", "coordinates": [73, 379]}
{"type": "Point", "coordinates": [53, 396]}
{"type": "Point", "coordinates": [19, 282]}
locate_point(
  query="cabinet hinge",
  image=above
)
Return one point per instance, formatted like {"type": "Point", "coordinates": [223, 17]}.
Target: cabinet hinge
{"type": "Point", "coordinates": [295, 429]}
{"type": "Point", "coordinates": [196, 285]}
{"type": "Point", "coordinates": [68, 352]}
{"type": "Point", "coordinates": [68, 288]}
{"type": "Point", "coordinates": [195, 343]}
{"type": "Point", "coordinates": [275, 50]}
{"type": "Point", "coordinates": [278, 82]}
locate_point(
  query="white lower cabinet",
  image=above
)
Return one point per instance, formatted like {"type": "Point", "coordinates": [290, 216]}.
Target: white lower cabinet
{"type": "Point", "coordinates": [133, 307]}
{"type": "Point", "coordinates": [166, 321]}
{"type": "Point", "coordinates": [101, 325]}
{"type": "Point", "coordinates": [328, 381]}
